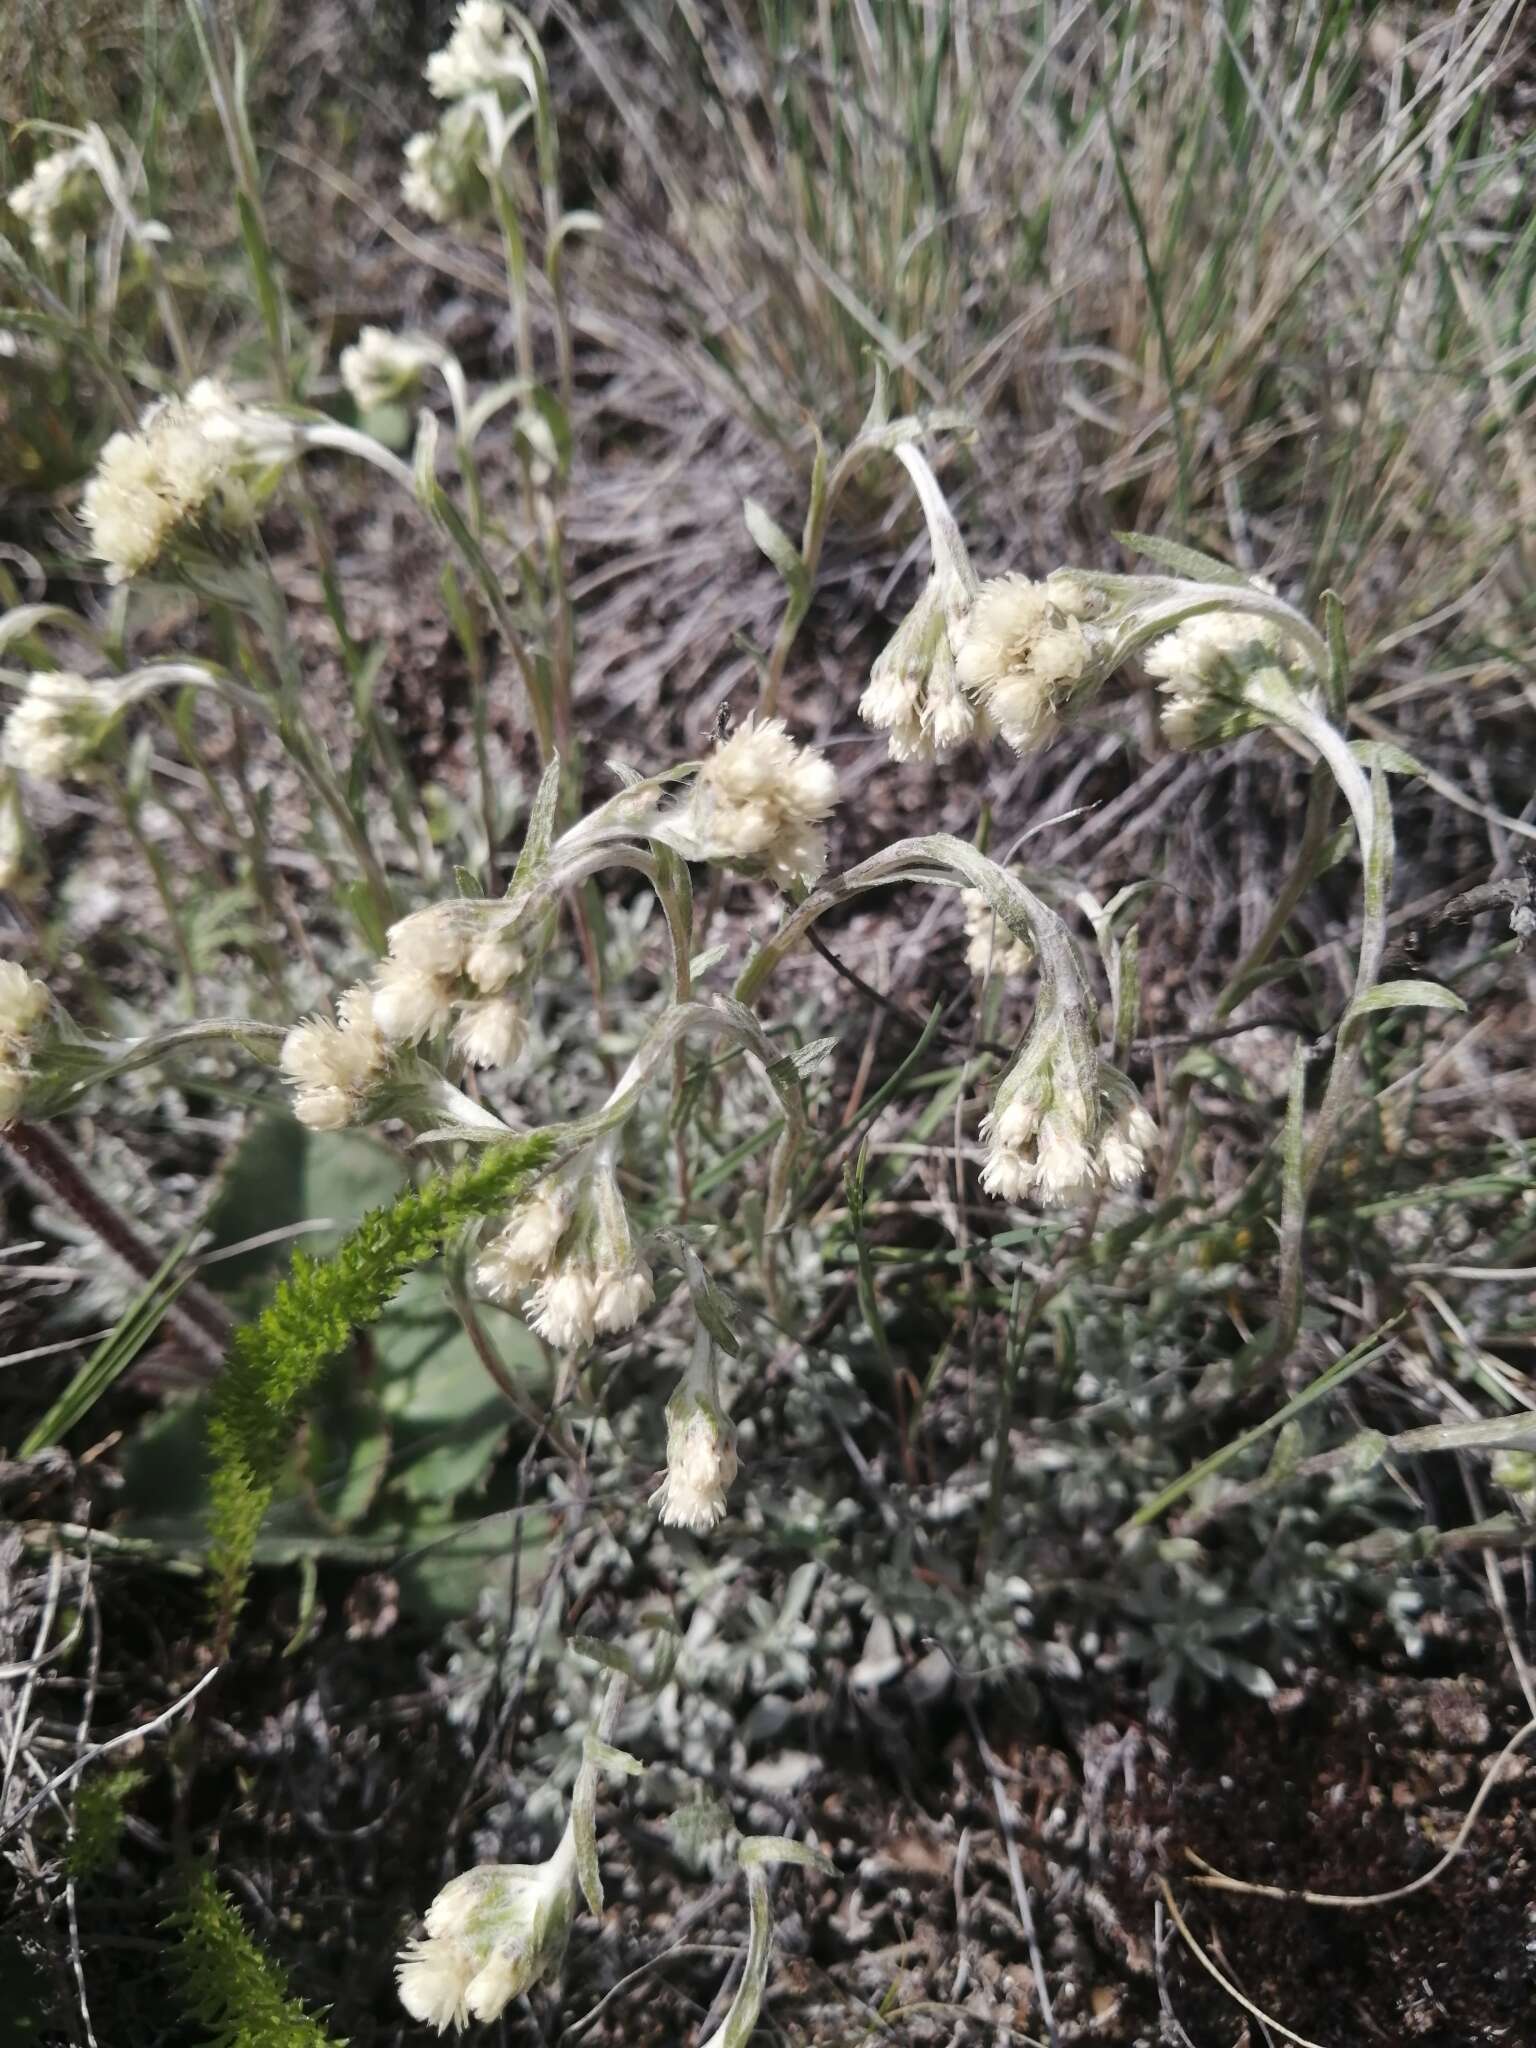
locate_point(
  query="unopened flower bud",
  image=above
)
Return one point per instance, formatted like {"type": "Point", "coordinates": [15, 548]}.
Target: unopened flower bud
{"type": "Point", "coordinates": [490, 1032]}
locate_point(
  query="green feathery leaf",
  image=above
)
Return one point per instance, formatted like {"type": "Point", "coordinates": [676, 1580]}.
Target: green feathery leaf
{"type": "Point", "coordinates": [277, 1361]}
{"type": "Point", "coordinates": [237, 1995]}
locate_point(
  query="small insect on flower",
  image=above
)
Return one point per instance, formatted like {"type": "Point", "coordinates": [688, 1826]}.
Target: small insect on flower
{"type": "Point", "coordinates": [379, 366]}
{"type": "Point", "coordinates": [58, 726]}
{"type": "Point", "coordinates": [24, 1004]}
{"type": "Point", "coordinates": [760, 800]}
{"type": "Point", "coordinates": [62, 197]}
{"type": "Point", "coordinates": [334, 1068]}
{"type": "Point", "coordinates": [491, 1934]}
{"type": "Point", "coordinates": [701, 1456]}
{"type": "Point", "coordinates": [1027, 656]}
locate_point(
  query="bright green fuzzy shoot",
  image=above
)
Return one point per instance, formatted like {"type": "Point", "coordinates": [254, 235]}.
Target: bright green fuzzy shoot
{"type": "Point", "coordinates": [276, 1362]}
{"type": "Point", "coordinates": [99, 1819]}
{"type": "Point", "coordinates": [235, 1994]}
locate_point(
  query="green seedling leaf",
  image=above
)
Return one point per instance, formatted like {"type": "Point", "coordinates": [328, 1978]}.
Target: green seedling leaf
{"type": "Point", "coordinates": [1388, 756]}
{"type": "Point", "coordinates": [776, 544]}
{"type": "Point", "coordinates": [1183, 561]}
{"type": "Point", "coordinates": [1404, 995]}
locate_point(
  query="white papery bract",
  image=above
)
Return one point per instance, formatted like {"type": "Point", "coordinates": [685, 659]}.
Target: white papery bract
{"type": "Point", "coordinates": [491, 1934]}
{"type": "Point", "coordinates": [759, 801]}
{"type": "Point", "coordinates": [59, 723]}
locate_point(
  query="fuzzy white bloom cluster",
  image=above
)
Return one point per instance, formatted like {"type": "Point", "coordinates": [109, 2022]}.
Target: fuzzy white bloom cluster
{"type": "Point", "coordinates": [491, 1934]}
{"type": "Point", "coordinates": [335, 1068]}
{"type": "Point", "coordinates": [193, 459]}
{"type": "Point", "coordinates": [483, 54]}
{"type": "Point", "coordinates": [1050, 1139]}
{"type": "Point", "coordinates": [380, 366]}
{"type": "Point", "coordinates": [1027, 654]}
{"type": "Point", "coordinates": [701, 1458]}
{"type": "Point", "coordinates": [23, 1006]}
{"type": "Point", "coordinates": [914, 692]}
{"type": "Point", "coordinates": [59, 723]}
{"type": "Point", "coordinates": [442, 176]}
{"type": "Point", "coordinates": [991, 948]}
{"type": "Point", "coordinates": [760, 800]}
{"type": "Point", "coordinates": [62, 195]}
{"type": "Point", "coordinates": [445, 966]}
{"type": "Point", "coordinates": [569, 1249]}
{"type": "Point", "coordinates": [1200, 667]}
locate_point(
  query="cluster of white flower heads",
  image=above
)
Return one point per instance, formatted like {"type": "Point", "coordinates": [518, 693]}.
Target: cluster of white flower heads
{"type": "Point", "coordinates": [380, 366]}
{"type": "Point", "coordinates": [62, 195]}
{"type": "Point", "coordinates": [1200, 666]}
{"type": "Point", "coordinates": [1049, 1140]}
{"type": "Point", "coordinates": [446, 966]}
{"type": "Point", "coordinates": [24, 1004]}
{"type": "Point", "coordinates": [759, 800]}
{"type": "Point", "coordinates": [701, 1459]}
{"type": "Point", "coordinates": [991, 947]}
{"type": "Point", "coordinates": [484, 54]}
{"type": "Point", "coordinates": [442, 177]}
{"type": "Point", "coordinates": [193, 459]}
{"type": "Point", "coordinates": [57, 726]}
{"type": "Point", "coordinates": [568, 1250]}
{"type": "Point", "coordinates": [334, 1069]}
{"type": "Point", "coordinates": [491, 1934]}
{"type": "Point", "coordinates": [1026, 655]}
{"type": "Point", "coordinates": [914, 694]}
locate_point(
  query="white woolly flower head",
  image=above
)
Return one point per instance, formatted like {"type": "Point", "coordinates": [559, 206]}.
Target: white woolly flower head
{"type": "Point", "coordinates": [1027, 656]}
{"type": "Point", "coordinates": [334, 1068]}
{"type": "Point", "coordinates": [485, 53]}
{"type": "Point", "coordinates": [914, 693]}
{"type": "Point", "coordinates": [1201, 667]}
{"type": "Point", "coordinates": [991, 947]}
{"type": "Point", "coordinates": [62, 196]}
{"type": "Point", "coordinates": [416, 987]}
{"type": "Point", "coordinates": [24, 1007]}
{"type": "Point", "coordinates": [443, 176]}
{"type": "Point", "coordinates": [525, 1247]}
{"type": "Point", "coordinates": [59, 724]}
{"type": "Point", "coordinates": [1053, 1136]}
{"type": "Point", "coordinates": [491, 1934]}
{"type": "Point", "coordinates": [490, 1032]}
{"type": "Point", "coordinates": [194, 460]}
{"type": "Point", "coordinates": [760, 800]}
{"type": "Point", "coordinates": [380, 366]}
{"type": "Point", "coordinates": [701, 1458]}
{"type": "Point", "coordinates": [569, 1247]}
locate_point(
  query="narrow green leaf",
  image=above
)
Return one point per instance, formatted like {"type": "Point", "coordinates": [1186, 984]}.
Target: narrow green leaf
{"type": "Point", "coordinates": [776, 544]}
{"type": "Point", "coordinates": [1183, 561]}
{"type": "Point", "coordinates": [1405, 995]}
